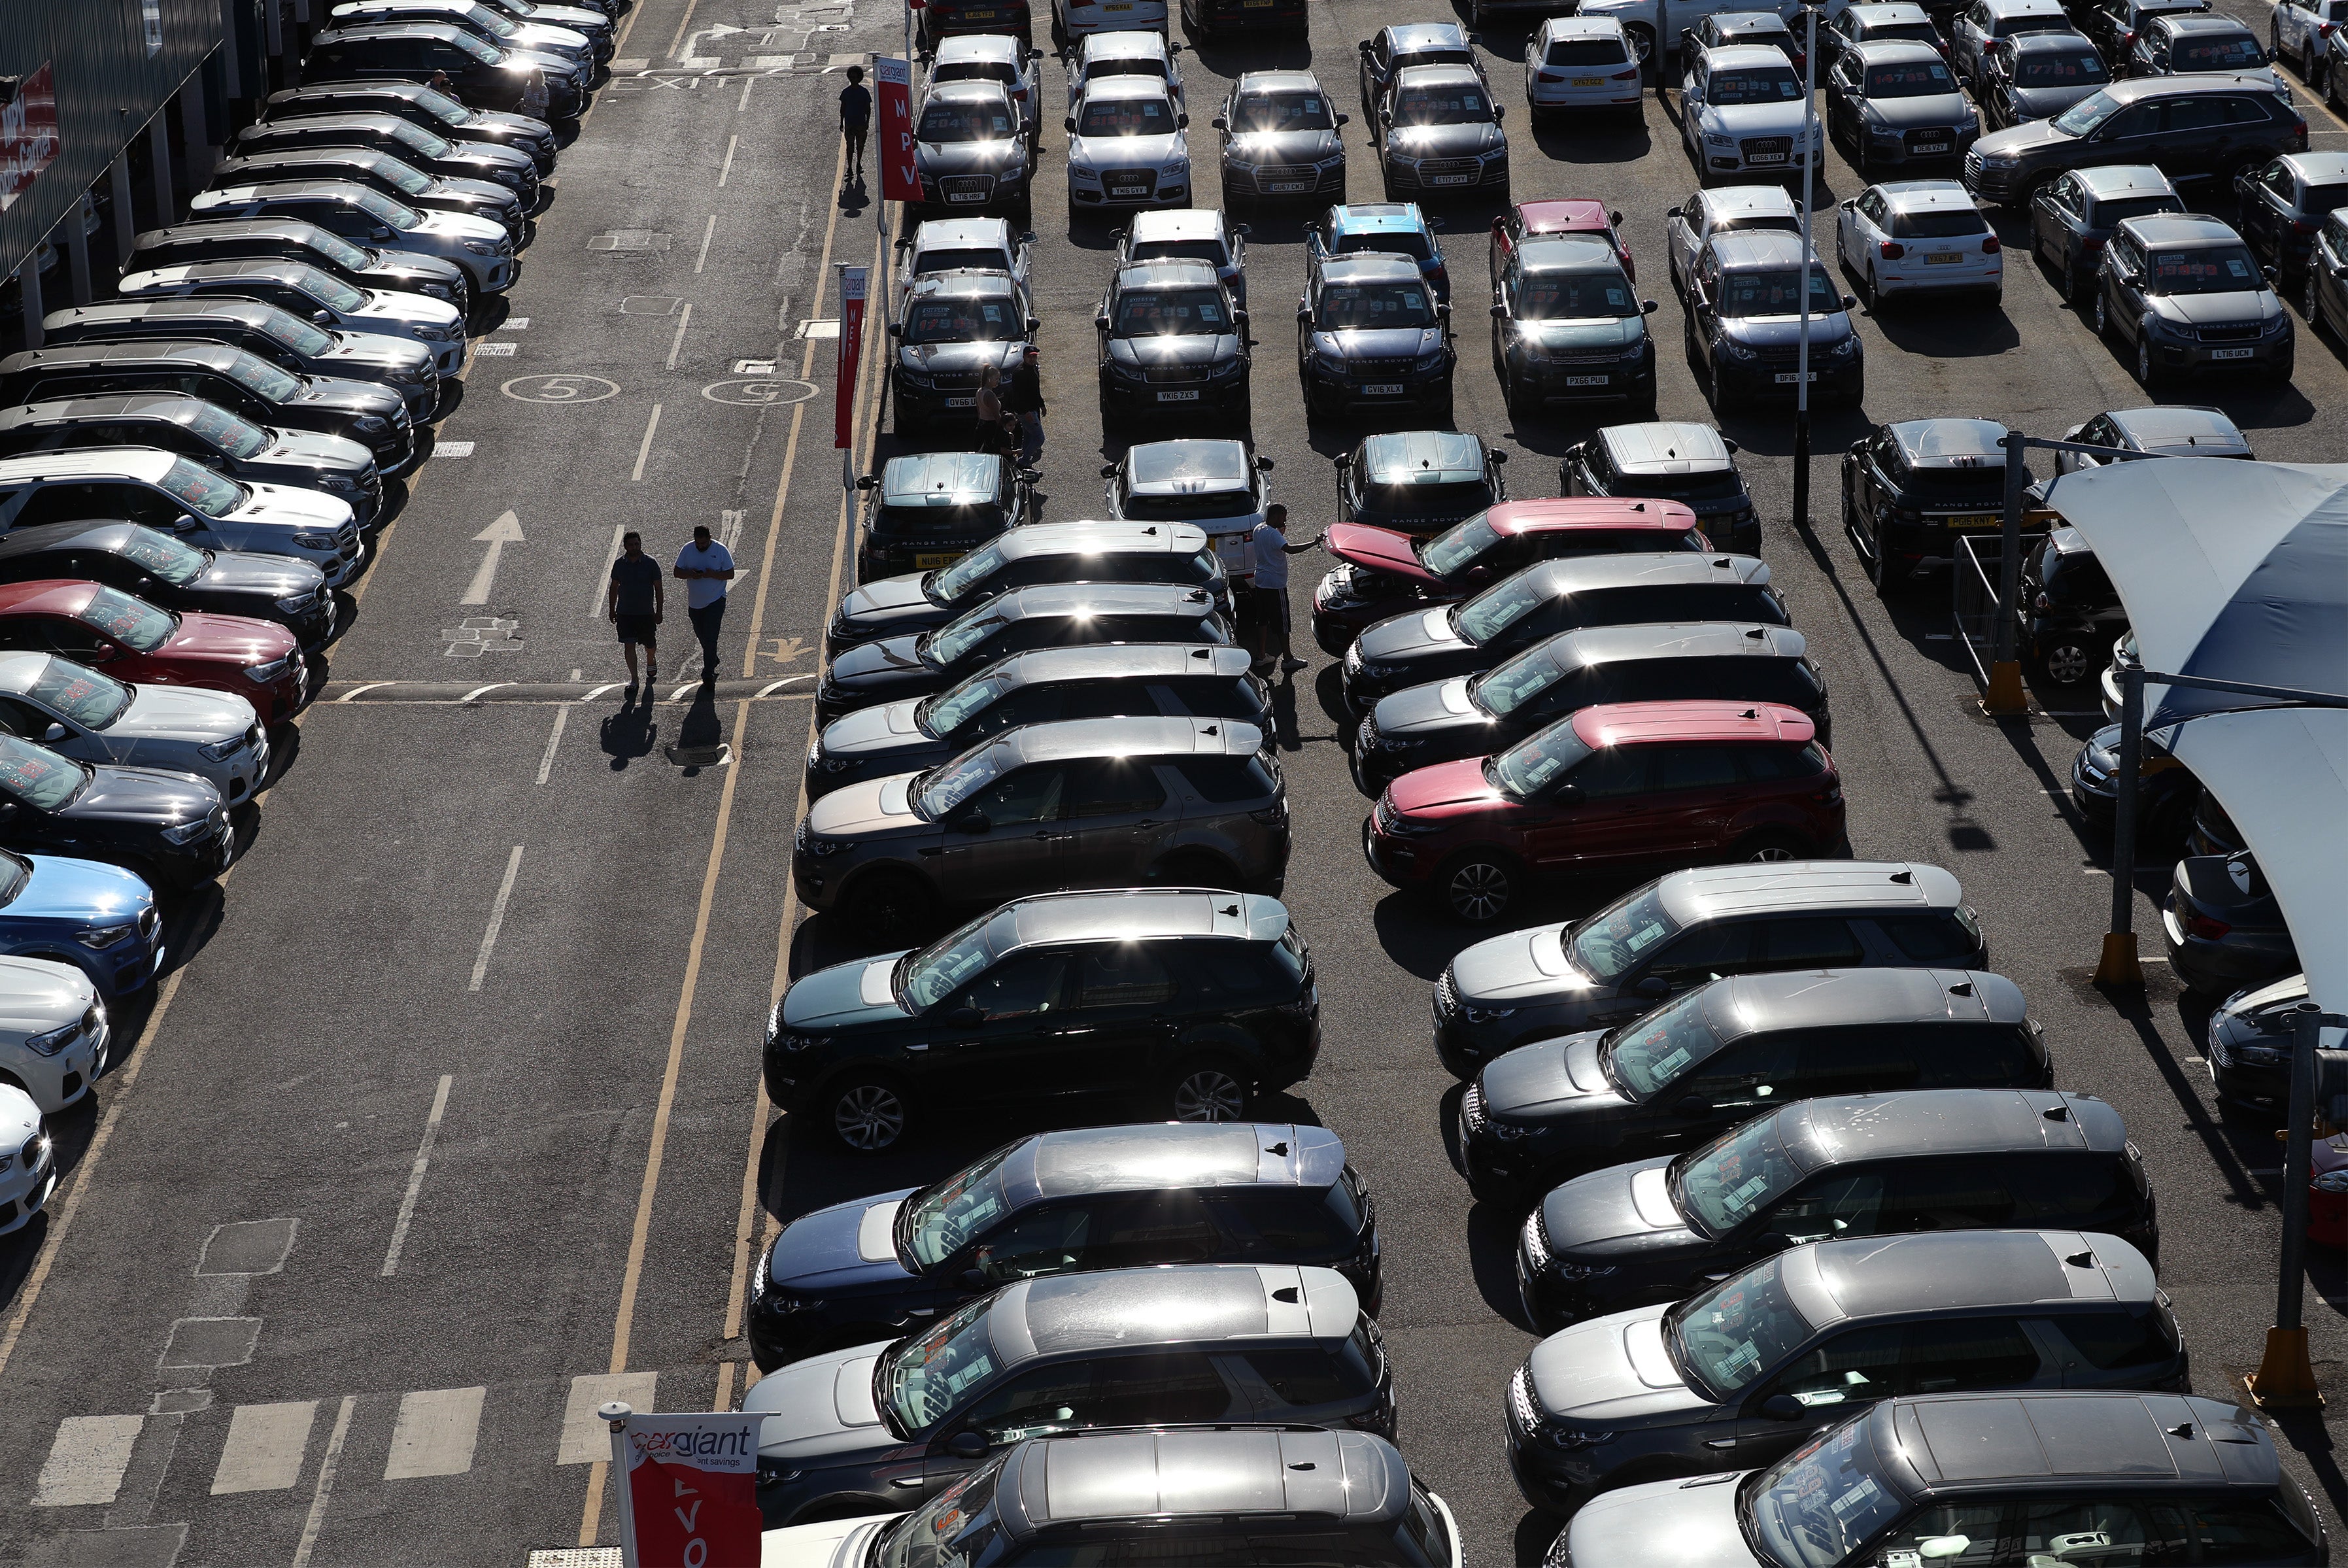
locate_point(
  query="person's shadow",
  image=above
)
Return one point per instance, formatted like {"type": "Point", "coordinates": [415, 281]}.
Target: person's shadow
{"type": "Point", "coordinates": [700, 739]}
{"type": "Point", "coordinates": [629, 733]}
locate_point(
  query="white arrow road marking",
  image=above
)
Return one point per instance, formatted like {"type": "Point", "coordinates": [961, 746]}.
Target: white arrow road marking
{"type": "Point", "coordinates": [506, 531]}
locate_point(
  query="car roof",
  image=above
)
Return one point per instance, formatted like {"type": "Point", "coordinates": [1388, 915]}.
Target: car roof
{"type": "Point", "coordinates": [1896, 51]}
{"type": "Point", "coordinates": [1843, 1130]}
{"type": "Point", "coordinates": [2184, 24]}
{"type": "Point", "coordinates": [1167, 273]}
{"type": "Point", "coordinates": [1124, 44]}
{"type": "Point", "coordinates": [2029, 7]}
{"type": "Point", "coordinates": [1665, 447]}
{"type": "Point", "coordinates": [227, 228]}
{"type": "Point", "coordinates": [1411, 37]}
{"type": "Point", "coordinates": [1589, 647]}
{"type": "Point", "coordinates": [1369, 267]}
{"type": "Point", "coordinates": [282, 190]}
{"type": "Point", "coordinates": [365, 87]}
{"type": "Point", "coordinates": [1177, 224]}
{"type": "Point", "coordinates": [1153, 1156]}
{"type": "Point", "coordinates": [978, 46]}
{"type": "Point", "coordinates": [222, 307]}
{"type": "Point", "coordinates": [971, 282]}
{"type": "Point", "coordinates": [277, 269]}
{"type": "Point", "coordinates": [1117, 661]}
{"type": "Point", "coordinates": [1444, 74]}
{"type": "Point", "coordinates": [1923, 195]}
{"type": "Point", "coordinates": [1135, 914]}
{"type": "Point", "coordinates": [1111, 89]}
{"type": "Point", "coordinates": [1780, 1000]}
{"type": "Point", "coordinates": [1188, 465]}
{"type": "Point", "coordinates": [1076, 739]}
{"type": "Point", "coordinates": [1741, 21]}
{"type": "Point", "coordinates": [2135, 90]}
{"type": "Point", "coordinates": [1712, 892]}
{"type": "Point", "coordinates": [964, 232]}
{"type": "Point", "coordinates": [1426, 457]}
{"type": "Point", "coordinates": [1185, 1304]}
{"type": "Point", "coordinates": [1568, 575]}
{"type": "Point", "coordinates": [1743, 248]}
{"type": "Point", "coordinates": [1726, 199]}
{"type": "Point", "coordinates": [2192, 229]}
{"type": "Point", "coordinates": [166, 407]}
{"type": "Point", "coordinates": [1299, 1475]}
{"type": "Point", "coordinates": [1568, 252]}
{"type": "Point", "coordinates": [1570, 214]}
{"type": "Point", "coordinates": [1891, 13]}
{"type": "Point", "coordinates": [1949, 1444]}
{"type": "Point", "coordinates": [961, 478]}
{"type": "Point", "coordinates": [1743, 56]}
{"type": "Point", "coordinates": [50, 597]}
{"type": "Point", "coordinates": [338, 119]}
{"type": "Point", "coordinates": [1583, 27]}
{"type": "Point", "coordinates": [2318, 168]}
{"type": "Point", "coordinates": [360, 30]}
{"type": "Point", "coordinates": [967, 90]}
{"type": "Point", "coordinates": [1948, 443]}
{"type": "Point", "coordinates": [1878, 1276]}
{"type": "Point", "coordinates": [2178, 427]}
{"type": "Point", "coordinates": [1169, 599]}
{"type": "Point", "coordinates": [2118, 179]}
{"type": "Point", "coordinates": [1561, 513]}
{"type": "Point", "coordinates": [1375, 217]}
{"type": "Point", "coordinates": [1116, 537]}
{"type": "Point", "coordinates": [1692, 719]}
{"type": "Point", "coordinates": [1275, 81]}
{"type": "Point", "coordinates": [89, 534]}
{"type": "Point", "coordinates": [106, 462]}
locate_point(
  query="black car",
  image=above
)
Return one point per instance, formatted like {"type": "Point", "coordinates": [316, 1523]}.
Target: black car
{"type": "Point", "coordinates": [1691, 463]}
{"type": "Point", "coordinates": [1661, 1229]}
{"type": "Point", "coordinates": [480, 74]}
{"type": "Point", "coordinates": [249, 387]}
{"type": "Point", "coordinates": [970, 149]}
{"type": "Point", "coordinates": [170, 828]}
{"type": "Point", "coordinates": [1553, 596]}
{"type": "Point", "coordinates": [1437, 133]}
{"type": "Point", "coordinates": [1372, 338]}
{"type": "Point", "coordinates": [2072, 217]}
{"type": "Point", "coordinates": [1913, 489]}
{"type": "Point", "coordinates": [2250, 1041]}
{"type": "Point", "coordinates": [2186, 127]}
{"type": "Point", "coordinates": [2173, 43]}
{"type": "Point", "coordinates": [2224, 927]}
{"type": "Point", "coordinates": [2189, 296]}
{"type": "Point", "coordinates": [2034, 76]}
{"type": "Point", "coordinates": [2324, 298]}
{"type": "Point", "coordinates": [1114, 680]}
{"type": "Point", "coordinates": [160, 570]}
{"type": "Point", "coordinates": [1896, 105]}
{"type": "Point", "coordinates": [1192, 1001]}
{"type": "Point", "coordinates": [1568, 327]}
{"type": "Point", "coordinates": [1021, 557]}
{"type": "Point", "coordinates": [2074, 612]}
{"type": "Point", "coordinates": [1407, 44]}
{"type": "Point", "coordinates": [2283, 206]}
{"type": "Point", "coordinates": [1421, 726]}
{"type": "Point", "coordinates": [1063, 1202]}
{"type": "Point", "coordinates": [1282, 141]}
{"type": "Point", "coordinates": [1202, 1345]}
{"type": "Point", "coordinates": [2168, 794]}
{"type": "Point", "coordinates": [928, 509]}
{"type": "Point", "coordinates": [1168, 340]}
{"type": "Point", "coordinates": [950, 328]}
{"type": "Point", "coordinates": [1730, 1048]}
{"type": "Point", "coordinates": [1689, 925]}
{"type": "Point", "coordinates": [1420, 482]}
{"type": "Point", "coordinates": [298, 240]}
{"type": "Point", "coordinates": [1205, 19]}
{"type": "Point", "coordinates": [205, 432]}
{"type": "Point", "coordinates": [2114, 26]}
{"type": "Point", "coordinates": [1744, 324]}
{"type": "Point", "coordinates": [381, 171]}
{"type": "Point", "coordinates": [285, 340]}
{"type": "Point", "coordinates": [458, 142]}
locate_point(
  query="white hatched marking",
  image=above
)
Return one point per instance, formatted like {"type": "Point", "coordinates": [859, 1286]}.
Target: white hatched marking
{"type": "Point", "coordinates": [435, 1433]}
{"type": "Point", "coordinates": [585, 1439]}
{"type": "Point", "coordinates": [87, 1461]}
{"type": "Point", "coordinates": [265, 1447]}
{"type": "Point", "coordinates": [453, 450]}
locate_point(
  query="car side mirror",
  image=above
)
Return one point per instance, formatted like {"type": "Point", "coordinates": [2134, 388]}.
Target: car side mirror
{"type": "Point", "coordinates": [1672, 212]}
{"type": "Point", "coordinates": [1728, 446]}
{"type": "Point", "coordinates": [322, 317]}
{"type": "Point", "coordinates": [1242, 230]}
{"type": "Point", "coordinates": [1304, 315]}
{"type": "Point", "coordinates": [966, 1446]}
{"type": "Point", "coordinates": [1364, 46]}
{"type": "Point", "coordinates": [1615, 218]}
{"type": "Point", "coordinates": [966, 1017]}
{"type": "Point", "coordinates": [1649, 307]}
{"type": "Point", "coordinates": [2271, 274]}
{"type": "Point", "coordinates": [1850, 302]}
{"type": "Point", "coordinates": [1100, 324]}
{"type": "Point", "coordinates": [1566, 794]}
{"type": "Point", "coordinates": [1220, 123]}
{"type": "Point", "coordinates": [1496, 456]}
{"type": "Point", "coordinates": [1108, 470]}
{"type": "Point", "coordinates": [1239, 317]}
{"type": "Point", "coordinates": [866, 481]}
{"type": "Point", "coordinates": [1181, 122]}
{"type": "Point", "coordinates": [1034, 325]}
{"type": "Point", "coordinates": [1500, 112]}
{"type": "Point", "coordinates": [896, 329]}
{"type": "Point", "coordinates": [55, 732]}
{"type": "Point", "coordinates": [1265, 465]}
{"type": "Point", "coordinates": [1344, 120]}
{"type": "Point", "coordinates": [1068, 123]}
{"type": "Point", "coordinates": [1691, 1105]}
{"type": "Point", "coordinates": [1776, 1240]}
{"type": "Point", "coordinates": [1652, 985]}
{"type": "Point", "coordinates": [1499, 312]}
{"type": "Point", "coordinates": [1784, 1407]}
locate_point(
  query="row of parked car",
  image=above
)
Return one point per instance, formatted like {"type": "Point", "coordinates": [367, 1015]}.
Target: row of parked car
{"type": "Point", "coordinates": [191, 472]}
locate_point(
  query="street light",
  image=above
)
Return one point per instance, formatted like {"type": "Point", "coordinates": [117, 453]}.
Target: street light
{"type": "Point", "coordinates": [1811, 145]}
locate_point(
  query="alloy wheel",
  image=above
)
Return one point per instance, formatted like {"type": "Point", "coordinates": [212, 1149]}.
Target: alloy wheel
{"type": "Point", "coordinates": [2067, 664]}
{"type": "Point", "coordinates": [2144, 361]}
{"type": "Point", "coordinates": [1479, 891]}
{"type": "Point", "coordinates": [1209, 1094]}
{"type": "Point", "coordinates": [2312, 307]}
{"type": "Point", "coordinates": [1770, 854]}
{"type": "Point", "coordinates": [869, 1117]}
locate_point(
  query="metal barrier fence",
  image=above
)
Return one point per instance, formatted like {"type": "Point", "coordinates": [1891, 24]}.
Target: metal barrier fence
{"type": "Point", "coordinates": [1972, 581]}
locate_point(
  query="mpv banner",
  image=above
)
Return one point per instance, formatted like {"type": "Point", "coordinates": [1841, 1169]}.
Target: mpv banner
{"type": "Point", "coordinates": [688, 1489]}
{"type": "Point", "coordinates": [898, 181]}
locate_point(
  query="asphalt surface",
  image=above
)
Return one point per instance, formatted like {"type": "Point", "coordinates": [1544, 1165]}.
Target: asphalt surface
{"type": "Point", "coordinates": [508, 956]}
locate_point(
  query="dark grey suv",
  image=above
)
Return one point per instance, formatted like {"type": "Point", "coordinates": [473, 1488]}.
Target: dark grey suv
{"type": "Point", "coordinates": [1196, 802]}
{"type": "Point", "coordinates": [1830, 1170]}
{"type": "Point", "coordinates": [1168, 339]}
{"type": "Point", "coordinates": [1110, 680]}
{"type": "Point", "coordinates": [1768, 1358]}
{"type": "Point", "coordinates": [2189, 296]}
{"type": "Point", "coordinates": [868, 1429]}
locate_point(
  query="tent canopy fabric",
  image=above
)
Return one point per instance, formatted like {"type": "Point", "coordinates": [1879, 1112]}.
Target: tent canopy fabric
{"type": "Point", "coordinates": [2282, 774]}
{"type": "Point", "coordinates": [2229, 571]}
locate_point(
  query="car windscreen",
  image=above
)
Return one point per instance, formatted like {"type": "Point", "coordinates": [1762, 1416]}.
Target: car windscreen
{"type": "Point", "coordinates": [927, 976]}
{"type": "Point", "coordinates": [1258, 112]}
{"type": "Point", "coordinates": [223, 431]}
{"type": "Point", "coordinates": [1651, 1053]}
{"type": "Point", "coordinates": [2083, 68]}
{"type": "Point", "coordinates": [326, 289]}
{"type": "Point", "coordinates": [1466, 104]}
{"type": "Point", "coordinates": [1735, 1177]}
{"type": "Point", "coordinates": [1939, 223]}
{"type": "Point", "coordinates": [1002, 71]}
{"type": "Point", "coordinates": [1819, 1505]}
{"type": "Point", "coordinates": [1208, 250]}
{"type": "Point", "coordinates": [82, 695]}
{"type": "Point", "coordinates": [1500, 606]}
{"type": "Point", "coordinates": [488, 54]}
{"type": "Point", "coordinates": [411, 180]}
{"type": "Point", "coordinates": [200, 490]}
{"type": "Point", "coordinates": [922, 1378]}
{"type": "Point", "coordinates": [953, 1529]}
{"type": "Point", "coordinates": [257, 377]}
{"type": "Point", "coordinates": [1607, 944]}
{"type": "Point", "coordinates": [1776, 290]}
{"type": "Point", "coordinates": [952, 583]}
{"type": "Point", "coordinates": [294, 333]}
{"type": "Point", "coordinates": [1393, 241]}
{"type": "Point", "coordinates": [1731, 1334]}
{"type": "Point", "coordinates": [133, 622]}
{"type": "Point", "coordinates": [964, 319]}
{"type": "Point", "coordinates": [951, 709]}
{"type": "Point", "coordinates": [489, 21]}
{"type": "Point", "coordinates": [2086, 116]}
{"type": "Point", "coordinates": [1910, 79]}
{"type": "Point", "coordinates": [1571, 296]}
{"type": "Point", "coordinates": [943, 122]}
{"type": "Point", "coordinates": [384, 210]}
{"type": "Point", "coordinates": [2218, 269]}
{"type": "Point", "coordinates": [1747, 223]}
{"type": "Point", "coordinates": [1585, 52]}
{"type": "Point", "coordinates": [151, 551]}
{"type": "Point", "coordinates": [985, 259]}
{"type": "Point", "coordinates": [940, 1220]}
{"type": "Point", "coordinates": [1752, 84]}
{"type": "Point", "coordinates": [941, 792]}
{"type": "Point", "coordinates": [34, 776]}
{"type": "Point", "coordinates": [415, 139]}
{"type": "Point", "coordinates": [956, 638]}
{"type": "Point", "coordinates": [1159, 313]}
{"type": "Point", "coordinates": [2239, 53]}
{"type": "Point", "coordinates": [1459, 547]}
{"type": "Point", "coordinates": [1371, 306]}
{"type": "Point", "coordinates": [1127, 116]}
{"type": "Point", "coordinates": [1507, 686]}
{"type": "Point", "coordinates": [1532, 765]}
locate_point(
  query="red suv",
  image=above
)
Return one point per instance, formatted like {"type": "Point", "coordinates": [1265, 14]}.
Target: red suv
{"type": "Point", "coordinates": [1383, 572]}
{"type": "Point", "coordinates": [1658, 783]}
{"type": "Point", "coordinates": [132, 640]}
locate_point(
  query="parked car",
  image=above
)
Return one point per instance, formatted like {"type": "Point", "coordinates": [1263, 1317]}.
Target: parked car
{"type": "Point", "coordinates": [1024, 557]}
{"type": "Point", "coordinates": [2186, 127]}
{"type": "Point", "coordinates": [1918, 237]}
{"type": "Point", "coordinates": [2324, 297]}
{"type": "Point", "coordinates": [384, 174]}
{"type": "Point", "coordinates": [1418, 481]}
{"type": "Point", "coordinates": [1131, 50]}
{"type": "Point", "coordinates": [1125, 147]}
{"type": "Point", "coordinates": [1689, 226]}
{"type": "Point", "coordinates": [1659, 1230]}
{"type": "Point", "coordinates": [2190, 297]}
{"type": "Point", "coordinates": [456, 139]}
{"type": "Point", "coordinates": [205, 433]}
{"type": "Point", "coordinates": [1722, 28]}
{"type": "Point", "coordinates": [1058, 1204]}
{"type": "Point", "coordinates": [480, 74]}
{"type": "Point", "coordinates": [1568, 327]}
{"type": "Point", "coordinates": [949, 18]}
{"type": "Point", "coordinates": [91, 718]}
{"type": "Point", "coordinates": [1074, 19]}
{"type": "Point", "coordinates": [2222, 928]}
{"type": "Point", "coordinates": [994, 57]}
{"type": "Point", "coordinates": [2189, 43]}
{"type": "Point", "coordinates": [1437, 133]}
{"type": "Point", "coordinates": [2164, 430]}
{"type": "Point", "coordinates": [1370, 338]}
{"type": "Point", "coordinates": [1381, 571]}
{"type": "Point", "coordinates": [2250, 1042]}
{"type": "Point", "coordinates": [1887, 22]}
{"type": "Point", "coordinates": [2034, 76]}
{"type": "Point", "coordinates": [1199, 234]}
{"type": "Point", "coordinates": [54, 1039]}
{"type": "Point", "coordinates": [955, 244]}
{"type": "Point", "coordinates": [2283, 206]}
{"type": "Point", "coordinates": [1118, 680]}
{"type": "Point", "coordinates": [99, 918]}
{"type": "Point", "coordinates": [2298, 29]}
{"type": "Point", "coordinates": [199, 507]}
{"type": "Point", "coordinates": [1692, 465]}
{"type": "Point", "coordinates": [564, 32]}
{"type": "Point", "coordinates": [1169, 338]}
{"type": "Point", "coordinates": [1051, 617]}
{"type": "Point", "coordinates": [170, 828]}
{"type": "Point", "coordinates": [1914, 488]}
{"type": "Point", "coordinates": [1641, 21]}
{"type": "Point", "coordinates": [1279, 136]}
{"type": "Point", "coordinates": [2069, 1467]}
{"type": "Point", "coordinates": [1541, 600]}
{"type": "Point", "coordinates": [1557, 978]}
{"type": "Point", "coordinates": [1581, 63]}
{"type": "Point", "coordinates": [1744, 324]}
{"type": "Point", "coordinates": [926, 511]}
{"type": "Point", "coordinates": [1393, 228]}
{"type": "Point", "coordinates": [2073, 611]}
{"type": "Point", "coordinates": [1205, 19]}
{"type": "Point", "coordinates": [1217, 484]}
{"type": "Point", "coordinates": [950, 328]}
{"type": "Point", "coordinates": [1596, 790]}
{"type": "Point", "coordinates": [1193, 1002]}
{"type": "Point", "coordinates": [143, 645]}
{"type": "Point", "coordinates": [1707, 1061]}
{"type": "Point", "coordinates": [230, 236]}
{"type": "Point", "coordinates": [1744, 115]}
{"type": "Point", "coordinates": [1402, 44]}
{"type": "Point", "coordinates": [301, 289]}
{"type": "Point", "coordinates": [1569, 216]}
{"type": "Point", "coordinates": [970, 149]}
{"type": "Point", "coordinates": [2114, 26]}
{"type": "Point", "coordinates": [1983, 21]}
{"type": "Point", "coordinates": [29, 1176]}
{"type": "Point", "coordinates": [1895, 105]}
{"type": "Point", "coordinates": [2072, 217]}
{"type": "Point", "coordinates": [480, 246]}
{"type": "Point", "coordinates": [2168, 793]}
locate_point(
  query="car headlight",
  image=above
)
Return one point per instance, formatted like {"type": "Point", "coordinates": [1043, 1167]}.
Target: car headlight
{"type": "Point", "coordinates": [2274, 325]}
{"type": "Point", "coordinates": [221, 750]}
{"type": "Point", "coordinates": [774, 1303]}
{"type": "Point", "coordinates": [439, 291]}
{"type": "Point", "coordinates": [1402, 827]}
{"type": "Point", "coordinates": [1227, 367]}
{"type": "Point", "coordinates": [368, 425]}
{"type": "Point", "coordinates": [819, 847]}
{"type": "Point", "coordinates": [1513, 1131]}
{"type": "Point", "coordinates": [1843, 347]}
{"type": "Point", "coordinates": [1476, 1015]}
{"type": "Point", "coordinates": [1425, 362]}
{"type": "Point", "coordinates": [481, 247]}
{"type": "Point", "coordinates": [1175, 167]}
{"type": "Point", "coordinates": [2000, 160]}
{"type": "Point", "coordinates": [1330, 361]}
{"type": "Point", "coordinates": [55, 1040]}
{"type": "Point", "coordinates": [188, 832]}
{"type": "Point", "coordinates": [915, 378]}
{"type": "Point", "coordinates": [1335, 160]}
{"type": "Point", "coordinates": [297, 604]}
{"type": "Point", "coordinates": [1735, 350]}
{"type": "Point", "coordinates": [1567, 1439]}
{"type": "Point", "coordinates": [790, 1040]}
{"type": "Point", "coordinates": [268, 673]}
{"type": "Point", "coordinates": [310, 540]}
{"type": "Point", "coordinates": [105, 936]}
{"type": "Point", "coordinates": [1715, 138]}
{"type": "Point", "coordinates": [1585, 1271]}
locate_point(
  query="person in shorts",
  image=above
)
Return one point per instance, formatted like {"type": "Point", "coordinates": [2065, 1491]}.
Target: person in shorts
{"type": "Point", "coordinates": [635, 604]}
{"type": "Point", "coordinates": [855, 120]}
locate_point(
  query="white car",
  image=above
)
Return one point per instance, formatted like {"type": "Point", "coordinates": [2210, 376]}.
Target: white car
{"type": "Point", "coordinates": [1977, 23]}
{"type": "Point", "coordinates": [1638, 18]}
{"type": "Point", "coordinates": [1082, 18]}
{"type": "Point", "coordinates": [954, 245]}
{"type": "Point", "coordinates": [1580, 62]}
{"type": "Point", "coordinates": [1201, 233]}
{"type": "Point", "coordinates": [994, 57]}
{"type": "Point", "coordinates": [54, 1039]}
{"type": "Point", "coordinates": [1125, 147]}
{"type": "Point", "coordinates": [93, 717]}
{"type": "Point", "coordinates": [1918, 236]}
{"type": "Point", "coordinates": [1689, 226]}
{"type": "Point", "coordinates": [1743, 114]}
{"type": "Point", "coordinates": [1215, 484]}
{"type": "Point", "coordinates": [2296, 30]}
{"type": "Point", "coordinates": [28, 1165]}
{"type": "Point", "coordinates": [303, 290]}
{"type": "Point", "coordinates": [1126, 53]}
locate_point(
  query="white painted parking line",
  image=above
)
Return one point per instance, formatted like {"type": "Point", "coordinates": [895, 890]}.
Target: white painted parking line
{"type": "Point", "coordinates": [728, 168]}
{"type": "Point", "coordinates": [684, 318]}
{"type": "Point", "coordinates": [595, 610]}
{"type": "Point", "coordinates": [435, 1433]}
{"type": "Point", "coordinates": [708, 232]}
{"type": "Point", "coordinates": [87, 1461]}
{"type": "Point", "coordinates": [317, 1520]}
{"type": "Point", "coordinates": [266, 1444]}
{"type": "Point", "coordinates": [644, 447]}
{"type": "Point", "coordinates": [497, 919]}
{"type": "Point", "coordinates": [357, 690]}
{"type": "Point", "coordinates": [431, 1133]}
{"type": "Point", "coordinates": [585, 1439]}
{"type": "Point", "coordinates": [553, 740]}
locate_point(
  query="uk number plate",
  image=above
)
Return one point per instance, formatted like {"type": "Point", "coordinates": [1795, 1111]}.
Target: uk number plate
{"type": "Point", "coordinates": [1128, 190]}
{"type": "Point", "coordinates": [1177, 397]}
{"type": "Point", "coordinates": [966, 196]}
{"type": "Point", "coordinates": [1788, 377]}
{"type": "Point", "coordinates": [2230, 352]}
{"type": "Point", "coordinates": [1282, 187]}
{"type": "Point", "coordinates": [1586, 380]}
{"type": "Point", "coordinates": [1930, 147]}
{"type": "Point", "coordinates": [1383, 389]}
{"type": "Point", "coordinates": [978, 16]}
{"type": "Point", "coordinates": [1449, 178]}
{"type": "Point", "coordinates": [929, 560]}
{"type": "Point", "coordinates": [970, 402]}
{"type": "Point", "coordinates": [1942, 258]}
{"type": "Point", "coordinates": [1766, 158]}
{"type": "Point", "coordinates": [1977, 520]}
{"type": "Point", "coordinates": [1590, 81]}
{"type": "Point", "coordinates": [1256, 4]}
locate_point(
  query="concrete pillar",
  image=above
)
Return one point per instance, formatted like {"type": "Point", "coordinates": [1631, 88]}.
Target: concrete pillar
{"type": "Point", "coordinates": [28, 277]}
{"type": "Point", "coordinates": [232, 68]}
{"type": "Point", "coordinates": [159, 149]}
{"type": "Point", "coordinates": [77, 256]}
{"type": "Point", "coordinates": [272, 30]}
{"type": "Point", "coordinates": [125, 221]}
{"type": "Point", "coordinates": [198, 140]}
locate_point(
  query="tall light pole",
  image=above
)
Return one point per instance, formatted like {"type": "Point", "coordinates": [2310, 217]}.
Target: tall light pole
{"type": "Point", "coordinates": [1814, 146]}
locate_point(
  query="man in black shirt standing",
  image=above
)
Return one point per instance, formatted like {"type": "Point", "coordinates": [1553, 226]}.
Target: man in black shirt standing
{"type": "Point", "coordinates": [1024, 399]}
{"type": "Point", "coordinates": [633, 602]}
{"type": "Point", "coordinates": [855, 120]}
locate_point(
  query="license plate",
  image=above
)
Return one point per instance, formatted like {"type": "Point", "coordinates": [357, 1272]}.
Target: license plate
{"type": "Point", "coordinates": [1943, 258]}
{"type": "Point", "coordinates": [2230, 352]}
{"type": "Point", "coordinates": [978, 16]}
{"type": "Point", "coordinates": [970, 402]}
{"type": "Point", "coordinates": [1256, 4]}
{"type": "Point", "coordinates": [1788, 377]}
{"type": "Point", "coordinates": [1590, 81]}
{"type": "Point", "coordinates": [1177, 397]}
{"type": "Point", "coordinates": [1116, 7]}
{"type": "Point", "coordinates": [1128, 190]}
{"type": "Point", "coordinates": [1383, 389]}
{"type": "Point", "coordinates": [966, 196]}
{"type": "Point", "coordinates": [1767, 158]}
{"type": "Point", "coordinates": [1976, 520]}
{"type": "Point", "coordinates": [1930, 147]}
{"type": "Point", "coordinates": [1449, 178]}
{"type": "Point", "coordinates": [1585, 380]}
{"type": "Point", "coordinates": [936, 558]}
{"type": "Point", "coordinates": [1284, 185]}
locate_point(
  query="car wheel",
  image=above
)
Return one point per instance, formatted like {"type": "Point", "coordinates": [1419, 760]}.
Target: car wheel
{"type": "Point", "coordinates": [1888, 580]}
{"type": "Point", "coordinates": [866, 1114]}
{"type": "Point", "coordinates": [1209, 1091]}
{"type": "Point", "coordinates": [1643, 48]}
{"type": "Point", "coordinates": [1771, 848]}
{"type": "Point", "coordinates": [2310, 305]}
{"type": "Point", "coordinates": [2145, 372]}
{"type": "Point", "coordinates": [887, 904]}
{"type": "Point", "coordinates": [2102, 317]}
{"type": "Point", "coordinates": [2067, 665]}
{"type": "Point", "coordinates": [1478, 887]}
{"type": "Point", "coordinates": [1869, 292]}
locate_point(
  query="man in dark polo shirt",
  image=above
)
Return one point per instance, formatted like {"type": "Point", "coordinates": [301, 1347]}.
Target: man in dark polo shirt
{"type": "Point", "coordinates": [635, 602]}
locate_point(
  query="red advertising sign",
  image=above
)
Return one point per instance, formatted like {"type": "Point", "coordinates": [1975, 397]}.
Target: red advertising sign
{"type": "Point", "coordinates": [899, 181]}
{"type": "Point", "coordinates": [29, 135]}
{"type": "Point", "coordinates": [689, 1495]}
{"type": "Point", "coordinates": [851, 349]}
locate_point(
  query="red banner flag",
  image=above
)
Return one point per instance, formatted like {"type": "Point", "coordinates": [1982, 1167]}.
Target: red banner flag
{"type": "Point", "coordinates": [899, 179]}
{"type": "Point", "coordinates": [689, 1494]}
{"type": "Point", "coordinates": [851, 349]}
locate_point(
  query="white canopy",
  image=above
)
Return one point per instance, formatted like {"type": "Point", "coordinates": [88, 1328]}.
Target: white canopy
{"type": "Point", "coordinates": [2229, 569]}
{"type": "Point", "coordinates": [2282, 773]}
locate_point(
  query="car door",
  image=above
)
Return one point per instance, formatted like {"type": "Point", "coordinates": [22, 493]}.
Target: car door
{"type": "Point", "coordinates": [998, 1039]}
{"type": "Point", "coordinates": [1827, 1381]}
{"type": "Point", "coordinates": [1945, 1195]}
{"type": "Point", "coordinates": [1115, 1037]}
{"type": "Point", "coordinates": [2122, 278]}
{"type": "Point", "coordinates": [1023, 847]}
{"type": "Point", "coordinates": [2266, 203]}
{"type": "Point", "coordinates": [1601, 811]}
{"type": "Point", "coordinates": [2197, 139]}
{"type": "Point", "coordinates": [1115, 822]}
{"type": "Point", "coordinates": [2054, 216]}
{"type": "Point", "coordinates": [1696, 789]}
{"type": "Point", "coordinates": [1856, 1059]}
{"type": "Point", "coordinates": [1738, 1081]}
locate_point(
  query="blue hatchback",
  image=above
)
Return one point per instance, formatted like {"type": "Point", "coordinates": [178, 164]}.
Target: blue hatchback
{"type": "Point", "coordinates": [98, 917]}
{"type": "Point", "coordinates": [1398, 228]}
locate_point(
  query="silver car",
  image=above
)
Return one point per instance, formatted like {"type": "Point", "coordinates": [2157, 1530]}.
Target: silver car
{"type": "Point", "coordinates": [92, 717]}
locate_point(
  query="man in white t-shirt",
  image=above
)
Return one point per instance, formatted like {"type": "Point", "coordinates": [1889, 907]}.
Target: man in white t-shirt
{"type": "Point", "coordinates": [706, 568]}
{"type": "Point", "coordinates": [1268, 590]}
